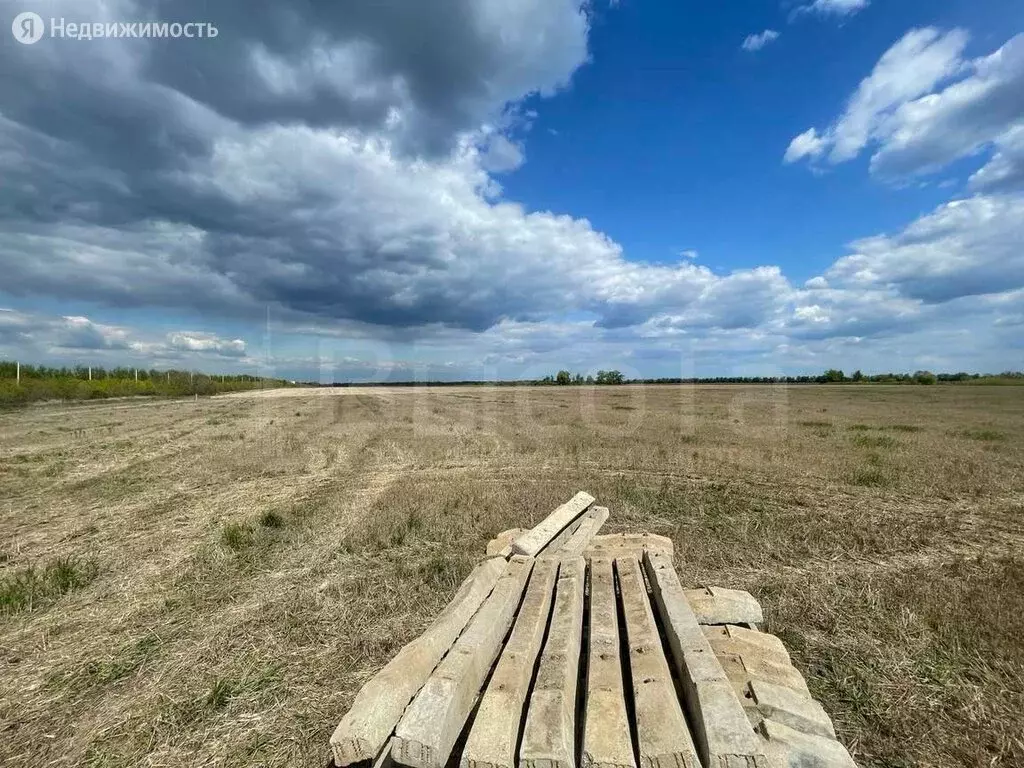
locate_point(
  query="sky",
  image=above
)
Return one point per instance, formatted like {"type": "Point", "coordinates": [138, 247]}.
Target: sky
{"type": "Point", "coordinates": [495, 189]}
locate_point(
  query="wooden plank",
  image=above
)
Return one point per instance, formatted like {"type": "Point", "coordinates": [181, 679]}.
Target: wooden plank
{"type": "Point", "coordinates": [663, 738]}
{"type": "Point", "coordinates": [607, 742]}
{"type": "Point", "coordinates": [538, 537]}
{"type": "Point", "coordinates": [721, 730]}
{"type": "Point", "coordinates": [377, 707]}
{"type": "Point", "coordinates": [431, 725]}
{"type": "Point", "coordinates": [590, 524]}
{"type": "Point", "coordinates": [495, 731]}
{"type": "Point", "coordinates": [549, 738]}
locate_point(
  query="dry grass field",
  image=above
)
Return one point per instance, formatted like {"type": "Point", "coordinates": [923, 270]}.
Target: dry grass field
{"type": "Point", "coordinates": [208, 583]}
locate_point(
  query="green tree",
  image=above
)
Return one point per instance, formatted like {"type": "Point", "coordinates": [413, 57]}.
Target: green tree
{"type": "Point", "coordinates": [834, 375]}
{"type": "Point", "coordinates": [563, 377]}
{"type": "Point", "coordinates": [857, 375]}
{"type": "Point", "coordinates": [925, 377]}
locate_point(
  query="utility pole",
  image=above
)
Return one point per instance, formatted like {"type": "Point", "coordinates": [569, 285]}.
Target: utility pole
{"type": "Point", "coordinates": [136, 375]}
{"type": "Point", "coordinates": [18, 372]}
{"type": "Point", "coordinates": [90, 373]}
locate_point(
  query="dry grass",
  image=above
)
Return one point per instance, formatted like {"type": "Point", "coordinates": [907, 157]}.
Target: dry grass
{"type": "Point", "coordinates": [251, 560]}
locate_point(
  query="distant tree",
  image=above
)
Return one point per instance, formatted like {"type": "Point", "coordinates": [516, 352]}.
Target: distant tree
{"type": "Point", "coordinates": [590, 379]}
{"type": "Point", "coordinates": [925, 377]}
{"type": "Point", "coordinates": [563, 377]}
{"type": "Point", "coordinates": [577, 378]}
{"type": "Point", "coordinates": [857, 375]}
{"type": "Point", "coordinates": [834, 375]}
{"type": "Point", "coordinates": [602, 377]}
{"type": "Point", "coordinates": [611, 377]}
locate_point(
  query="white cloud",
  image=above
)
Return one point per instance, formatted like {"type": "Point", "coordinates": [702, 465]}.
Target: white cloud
{"type": "Point", "coordinates": [963, 248]}
{"type": "Point", "coordinates": [760, 40]}
{"type": "Point", "coordinates": [195, 341]}
{"type": "Point", "coordinates": [807, 144]}
{"type": "Point", "coordinates": [925, 106]}
{"type": "Point", "coordinates": [832, 7]}
{"type": "Point", "coordinates": [76, 337]}
{"type": "Point", "coordinates": [1006, 168]}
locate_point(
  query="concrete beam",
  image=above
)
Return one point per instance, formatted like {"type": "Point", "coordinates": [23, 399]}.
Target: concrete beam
{"type": "Point", "coordinates": [363, 731]}
{"type": "Point", "coordinates": [431, 725]}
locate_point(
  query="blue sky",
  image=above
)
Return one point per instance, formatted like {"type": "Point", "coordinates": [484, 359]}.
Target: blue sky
{"type": "Point", "coordinates": [672, 137]}
{"type": "Point", "coordinates": [500, 189]}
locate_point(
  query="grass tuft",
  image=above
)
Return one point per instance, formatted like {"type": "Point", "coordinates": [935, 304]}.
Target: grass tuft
{"type": "Point", "coordinates": [237, 536]}
{"type": "Point", "coordinates": [220, 694]}
{"type": "Point", "coordinates": [870, 477]}
{"type": "Point", "coordinates": [31, 588]}
{"type": "Point", "coordinates": [271, 519]}
{"type": "Point", "coordinates": [983, 435]}
{"type": "Point", "coordinates": [875, 441]}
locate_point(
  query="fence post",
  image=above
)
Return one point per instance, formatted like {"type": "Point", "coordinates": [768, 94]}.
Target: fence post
{"type": "Point", "coordinates": [90, 373]}
{"type": "Point", "coordinates": [17, 372]}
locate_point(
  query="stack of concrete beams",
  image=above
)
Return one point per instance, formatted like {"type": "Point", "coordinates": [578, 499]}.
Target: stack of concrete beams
{"type": "Point", "coordinates": [566, 648]}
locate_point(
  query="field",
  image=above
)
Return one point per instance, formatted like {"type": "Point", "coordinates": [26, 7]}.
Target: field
{"type": "Point", "coordinates": [209, 582]}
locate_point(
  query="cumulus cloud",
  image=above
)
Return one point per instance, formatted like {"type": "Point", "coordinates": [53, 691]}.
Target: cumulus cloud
{"type": "Point", "coordinates": [195, 341]}
{"type": "Point", "coordinates": [966, 247]}
{"type": "Point", "coordinates": [925, 106]}
{"type": "Point", "coordinates": [760, 40]}
{"type": "Point", "coordinates": [81, 337]}
{"type": "Point", "coordinates": [137, 183]}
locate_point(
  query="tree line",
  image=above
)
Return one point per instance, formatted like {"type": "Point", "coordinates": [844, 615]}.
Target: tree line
{"type": "Point", "coordinates": [603, 377]}
{"type": "Point", "coordinates": [30, 383]}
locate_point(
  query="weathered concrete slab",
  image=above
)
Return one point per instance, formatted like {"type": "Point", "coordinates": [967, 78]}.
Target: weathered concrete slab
{"type": "Point", "coordinates": [663, 738]}
{"type": "Point", "coordinates": [501, 544]}
{"type": "Point", "coordinates": [431, 725]}
{"type": "Point", "coordinates": [549, 738]}
{"type": "Point", "coordinates": [721, 731]}
{"type": "Point", "coordinates": [742, 668]}
{"type": "Point", "coordinates": [716, 605]}
{"type": "Point", "coordinates": [363, 731]}
{"type": "Point", "coordinates": [617, 545]}
{"type": "Point", "coordinates": [581, 531]}
{"type": "Point", "coordinates": [787, 706]}
{"type": "Point", "coordinates": [607, 742]}
{"type": "Point", "coordinates": [791, 749]}
{"type": "Point", "coordinates": [538, 537]}
{"type": "Point", "coordinates": [495, 731]}
{"type": "Point", "coordinates": [729, 638]}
